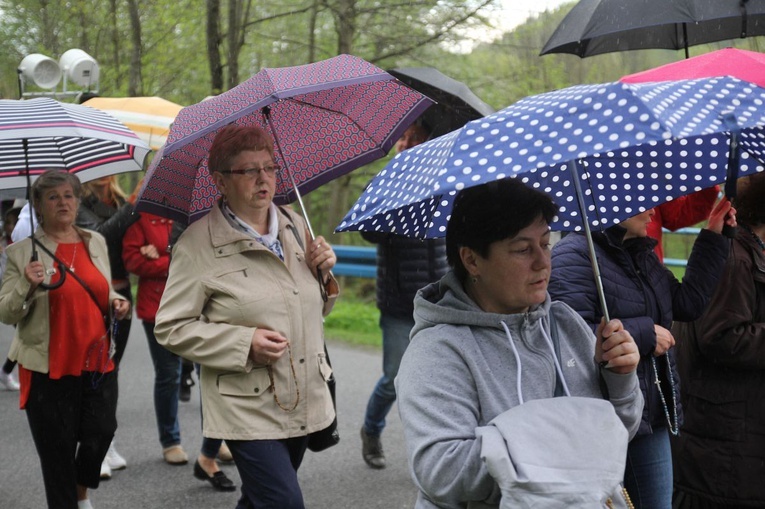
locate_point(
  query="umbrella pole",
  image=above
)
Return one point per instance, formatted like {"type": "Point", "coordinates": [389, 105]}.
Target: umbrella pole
{"type": "Point", "coordinates": [25, 144]}
{"type": "Point", "coordinates": [267, 115]}
{"type": "Point", "coordinates": [573, 166]}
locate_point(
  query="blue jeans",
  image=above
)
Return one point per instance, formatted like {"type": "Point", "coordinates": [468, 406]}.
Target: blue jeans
{"type": "Point", "coordinates": [167, 382]}
{"type": "Point", "coordinates": [268, 469]}
{"type": "Point", "coordinates": [395, 339]}
{"type": "Point", "coordinates": [648, 476]}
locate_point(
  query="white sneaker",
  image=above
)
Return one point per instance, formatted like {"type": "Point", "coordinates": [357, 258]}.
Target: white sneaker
{"type": "Point", "coordinates": [114, 459]}
{"type": "Point", "coordinates": [7, 381]}
{"type": "Point", "coordinates": [84, 504]}
{"type": "Point", "coordinates": [106, 471]}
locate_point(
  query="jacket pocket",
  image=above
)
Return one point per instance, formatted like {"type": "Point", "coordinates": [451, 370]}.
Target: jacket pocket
{"type": "Point", "coordinates": [325, 370]}
{"type": "Point", "coordinates": [713, 415]}
{"type": "Point", "coordinates": [252, 384]}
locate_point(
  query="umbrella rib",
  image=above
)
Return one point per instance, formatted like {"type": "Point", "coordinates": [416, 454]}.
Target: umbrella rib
{"type": "Point", "coordinates": [303, 103]}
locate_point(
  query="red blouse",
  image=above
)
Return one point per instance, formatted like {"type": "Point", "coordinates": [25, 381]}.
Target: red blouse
{"type": "Point", "coordinates": [78, 339]}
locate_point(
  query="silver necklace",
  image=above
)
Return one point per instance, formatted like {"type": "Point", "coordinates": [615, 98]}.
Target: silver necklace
{"type": "Point", "coordinates": [74, 255]}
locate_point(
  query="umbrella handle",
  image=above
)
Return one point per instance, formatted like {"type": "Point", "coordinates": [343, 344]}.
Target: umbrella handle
{"type": "Point", "coordinates": [731, 177]}
{"type": "Point", "coordinates": [61, 270]}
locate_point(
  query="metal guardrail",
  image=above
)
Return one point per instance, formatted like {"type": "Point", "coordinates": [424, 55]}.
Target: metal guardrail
{"type": "Point", "coordinates": [355, 261]}
{"type": "Point", "coordinates": [679, 262]}
{"type": "Point", "coordinates": [359, 261]}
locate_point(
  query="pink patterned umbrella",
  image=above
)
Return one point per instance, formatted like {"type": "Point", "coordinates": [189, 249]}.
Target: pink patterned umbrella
{"type": "Point", "coordinates": [327, 119]}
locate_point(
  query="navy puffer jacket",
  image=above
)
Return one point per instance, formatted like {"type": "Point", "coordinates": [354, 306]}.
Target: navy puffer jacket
{"type": "Point", "coordinates": [640, 291]}
{"type": "Point", "coordinates": [404, 266]}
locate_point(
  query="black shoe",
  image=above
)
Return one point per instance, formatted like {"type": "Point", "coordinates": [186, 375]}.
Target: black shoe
{"type": "Point", "coordinates": [219, 480]}
{"type": "Point", "coordinates": [371, 450]}
{"type": "Point", "coordinates": [186, 384]}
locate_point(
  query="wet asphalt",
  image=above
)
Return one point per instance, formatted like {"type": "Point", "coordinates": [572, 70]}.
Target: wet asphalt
{"type": "Point", "coordinates": [336, 478]}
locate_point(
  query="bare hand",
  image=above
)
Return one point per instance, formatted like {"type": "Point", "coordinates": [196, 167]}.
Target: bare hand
{"type": "Point", "coordinates": [321, 256]}
{"type": "Point", "coordinates": [121, 308]}
{"type": "Point", "coordinates": [664, 340]}
{"type": "Point", "coordinates": [149, 251]}
{"type": "Point", "coordinates": [616, 347]}
{"type": "Point", "coordinates": [723, 213]}
{"type": "Point", "coordinates": [34, 272]}
{"type": "Point", "coordinates": [267, 346]}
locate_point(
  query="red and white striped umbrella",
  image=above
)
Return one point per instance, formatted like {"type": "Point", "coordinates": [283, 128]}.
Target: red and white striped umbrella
{"type": "Point", "coordinates": [41, 134]}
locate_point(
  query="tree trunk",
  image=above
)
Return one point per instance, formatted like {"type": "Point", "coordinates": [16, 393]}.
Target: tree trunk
{"type": "Point", "coordinates": [115, 44]}
{"type": "Point", "coordinates": [235, 23]}
{"type": "Point", "coordinates": [135, 83]}
{"type": "Point", "coordinates": [345, 25]}
{"type": "Point", "coordinates": [312, 20]}
{"type": "Point", "coordinates": [49, 39]}
{"type": "Point", "coordinates": [213, 46]}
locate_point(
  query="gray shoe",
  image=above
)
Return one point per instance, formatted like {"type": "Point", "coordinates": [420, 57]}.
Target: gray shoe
{"type": "Point", "coordinates": [372, 451]}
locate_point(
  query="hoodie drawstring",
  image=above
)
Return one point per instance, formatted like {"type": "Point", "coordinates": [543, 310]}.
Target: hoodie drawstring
{"type": "Point", "coordinates": [519, 368]}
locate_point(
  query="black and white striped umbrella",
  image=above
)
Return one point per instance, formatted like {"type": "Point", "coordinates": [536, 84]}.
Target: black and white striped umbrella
{"type": "Point", "coordinates": [71, 137]}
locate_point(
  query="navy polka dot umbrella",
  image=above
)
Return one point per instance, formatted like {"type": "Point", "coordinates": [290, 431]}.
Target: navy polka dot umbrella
{"type": "Point", "coordinates": [629, 147]}
{"type": "Point", "coordinates": [604, 153]}
{"type": "Point", "coordinates": [326, 118]}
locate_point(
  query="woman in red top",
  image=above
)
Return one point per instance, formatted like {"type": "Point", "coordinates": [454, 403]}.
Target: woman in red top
{"type": "Point", "coordinates": [68, 384]}
{"type": "Point", "coordinates": [146, 253]}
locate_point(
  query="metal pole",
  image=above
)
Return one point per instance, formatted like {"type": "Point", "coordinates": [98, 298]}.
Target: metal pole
{"type": "Point", "coordinates": [267, 115]}
{"type": "Point", "coordinates": [574, 166]}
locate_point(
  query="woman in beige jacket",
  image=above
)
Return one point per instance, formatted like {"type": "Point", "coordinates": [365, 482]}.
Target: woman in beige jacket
{"type": "Point", "coordinates": [242, 299]}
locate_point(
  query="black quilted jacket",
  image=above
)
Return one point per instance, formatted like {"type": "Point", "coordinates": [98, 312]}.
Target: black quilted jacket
{"type": "Point", "coordinates": [404, 266]}
{"type": "Point", "coordinates": [640, 291]}
{"type": "Point", "coordinates": [110, 222]}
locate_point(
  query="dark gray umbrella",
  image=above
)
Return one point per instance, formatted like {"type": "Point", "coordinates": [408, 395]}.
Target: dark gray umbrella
{"type": "Point", "coordinates": [593, 27]}
{"type": "Point", "coordinates": [456, 103]}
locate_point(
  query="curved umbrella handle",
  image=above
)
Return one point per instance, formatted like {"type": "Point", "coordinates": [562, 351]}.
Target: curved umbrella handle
{"type": "Point", "coordinates": [61, 270]}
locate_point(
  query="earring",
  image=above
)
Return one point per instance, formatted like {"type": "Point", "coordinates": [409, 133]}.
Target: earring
{"type": "Point", "coordinates": [474, 279]}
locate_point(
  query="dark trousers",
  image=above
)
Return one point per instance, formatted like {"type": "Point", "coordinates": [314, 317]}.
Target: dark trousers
{"type": "Point", "coordinates": [268, 469]}
{"type": "Point", "coordinates": [123, 328]}
{"type": "Point", "coordinates": [72, 425]}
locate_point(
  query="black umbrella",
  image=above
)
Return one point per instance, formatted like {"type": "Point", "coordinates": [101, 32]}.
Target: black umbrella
{"type": "Point", "coordinates": [456, 103]}
{"type": "Point", "coordinates": [593, 27]}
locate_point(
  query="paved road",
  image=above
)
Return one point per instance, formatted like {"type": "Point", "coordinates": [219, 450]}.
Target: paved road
{"type": "Point", "coordinates": [334, 479]}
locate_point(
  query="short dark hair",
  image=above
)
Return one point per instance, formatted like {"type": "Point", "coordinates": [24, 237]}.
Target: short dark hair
{"type": "Point", "coordinates": [492, 212]}
{"type": "Point", "coordinates": [750, 199]}
{"type": "Point", "coordinates": [232, 140]}
{"type": "Point", "coordinates": [50, 180]}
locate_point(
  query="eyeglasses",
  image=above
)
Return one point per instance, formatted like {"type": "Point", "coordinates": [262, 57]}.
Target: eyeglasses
{"type": "Point", "coordinates": [251, 173]}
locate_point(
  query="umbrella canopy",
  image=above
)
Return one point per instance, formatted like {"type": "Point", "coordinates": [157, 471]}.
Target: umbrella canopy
{"type": "Point", "coordinates": [41, 134]}
{"type": "Point", "coordinates": [455, 105]}
{"type": "Point", "coordinates": [327, 119]}
{"type": "Point", "coordinates": [631, 147]}
{"type": "Point", "coordinates": [744, 65]}
{"type": "Point", "coordinates": [593, 27]}
{"type": "Point", "coordinates": [148, 117]}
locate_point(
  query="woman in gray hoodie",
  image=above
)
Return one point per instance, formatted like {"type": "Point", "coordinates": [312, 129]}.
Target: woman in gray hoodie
{"type": "Point", "coordinates": [485, 339]}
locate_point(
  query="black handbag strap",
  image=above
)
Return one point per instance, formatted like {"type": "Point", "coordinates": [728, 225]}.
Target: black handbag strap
{"type": "Point", "coordinates": [70, 272]}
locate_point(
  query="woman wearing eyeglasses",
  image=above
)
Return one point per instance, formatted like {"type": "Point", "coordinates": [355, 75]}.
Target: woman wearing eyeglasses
{"type": "Point", "coordinates": [242, 299]}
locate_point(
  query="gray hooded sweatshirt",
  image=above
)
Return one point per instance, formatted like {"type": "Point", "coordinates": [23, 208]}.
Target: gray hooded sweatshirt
{"type": "Point", "coordinates": [460, 372]}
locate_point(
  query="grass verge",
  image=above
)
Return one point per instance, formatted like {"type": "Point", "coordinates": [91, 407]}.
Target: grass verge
{"type": "Point", "coordinates": [354, 321]}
